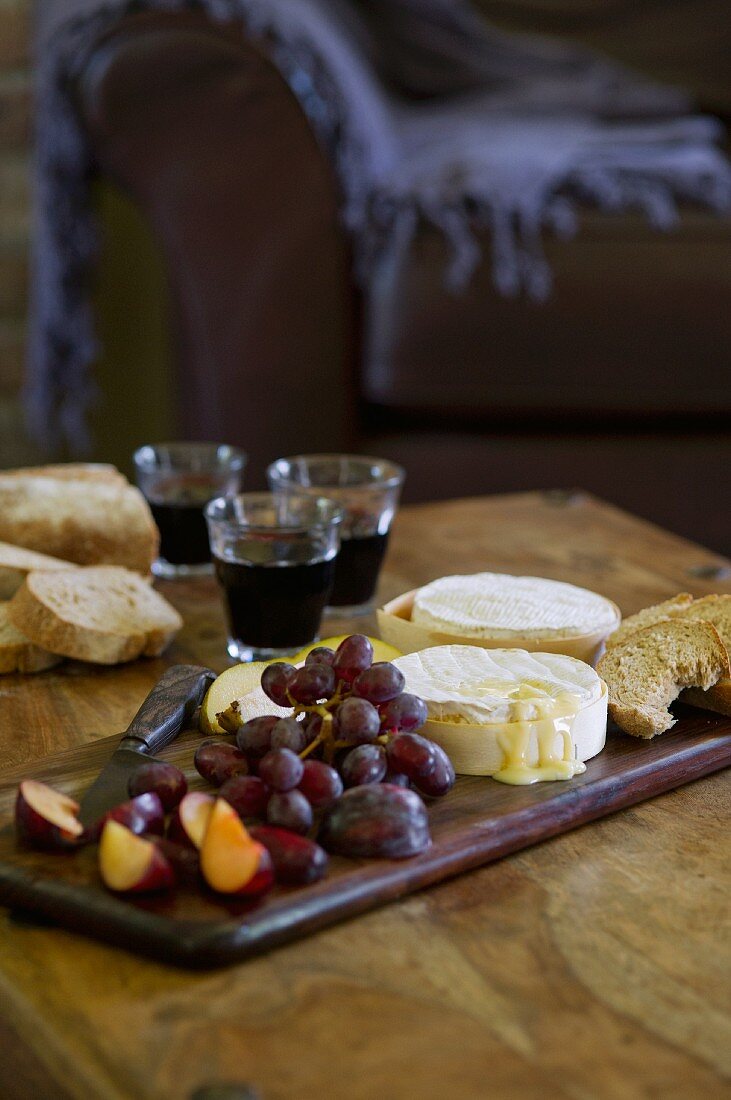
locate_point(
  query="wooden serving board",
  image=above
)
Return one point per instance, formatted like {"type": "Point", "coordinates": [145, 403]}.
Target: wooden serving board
{"type": "Point", "coordinates": [479, 821]}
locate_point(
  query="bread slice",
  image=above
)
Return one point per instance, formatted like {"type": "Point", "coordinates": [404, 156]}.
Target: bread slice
{"type": "Point", "coordinates": [17, 654]}
{"type": "Point", "coordinates": [647, 672]}
{"type": "Point", "coordinates": [648, 616]}
{"type": "Point", "coordinates": [85, 520]}
{"type": "Point", "coordinates": [16, 563]}
{"type": "Point", "coordinates": [100, 613]}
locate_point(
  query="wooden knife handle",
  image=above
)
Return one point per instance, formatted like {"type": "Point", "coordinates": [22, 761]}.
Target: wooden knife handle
{"type": "Point", "coordinates": [168, 707]}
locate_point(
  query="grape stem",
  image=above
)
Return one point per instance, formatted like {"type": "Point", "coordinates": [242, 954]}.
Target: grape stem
{"type": "Point", "coordinates": [312, 745]}
{"type": "Point", "coordinates": [326, 737]}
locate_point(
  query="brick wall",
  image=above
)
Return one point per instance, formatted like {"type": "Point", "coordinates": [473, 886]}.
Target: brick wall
{"type": "Point", "coordinates": [15, 109]}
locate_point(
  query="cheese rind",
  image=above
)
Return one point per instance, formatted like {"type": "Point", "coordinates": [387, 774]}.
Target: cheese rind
{"type": "Point", "coordinates": [464, 683]}
{"type": "Point", "coordinates": [498, 605]}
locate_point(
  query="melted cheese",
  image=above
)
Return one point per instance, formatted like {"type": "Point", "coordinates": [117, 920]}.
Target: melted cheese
{"type": "Point", "coordinates": [496, 605]}
{"type": "Point", "coordinates": [554, 762]}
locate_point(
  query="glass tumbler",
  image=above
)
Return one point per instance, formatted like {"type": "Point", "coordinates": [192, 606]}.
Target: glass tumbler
{"type": "Point", "coordinates": [274, 556]}
{"type": "Point", "coordinates": [178, 480]}
{"type": "Point", "coordinates": [368, 491]}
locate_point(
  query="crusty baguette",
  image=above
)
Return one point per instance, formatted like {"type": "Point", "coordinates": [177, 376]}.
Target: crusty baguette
{"type": "Point", "coordinates": [16, 563]}
{"type": "Point", "coordinates": [72, 471]}
{"type": "Point", "coordinates": [17, 654]}
{"type": "Point", "coordinates": [647, 672]}
{"type": "Point", "coordinates": [101, 613]}
{"type": "Point", "coordinates": [648, 616]}
{"type": "Point", "coordinates": [85, 521]}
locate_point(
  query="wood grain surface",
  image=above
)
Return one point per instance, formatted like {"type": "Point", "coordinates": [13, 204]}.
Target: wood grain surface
{"type": "Point", "coordinates": [592, 965]}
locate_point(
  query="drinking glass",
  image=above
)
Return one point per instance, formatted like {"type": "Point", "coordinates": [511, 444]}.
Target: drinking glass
{"type": "Point", "coordinates": [368, 491]}
{"type": "Point", "coordinates": [274, 555]}
{"type": "Point", "coordinates": [178, 480]}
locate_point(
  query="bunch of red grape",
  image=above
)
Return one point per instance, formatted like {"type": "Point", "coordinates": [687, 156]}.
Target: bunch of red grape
{"type": "Point", "coordinates": [352, 725]}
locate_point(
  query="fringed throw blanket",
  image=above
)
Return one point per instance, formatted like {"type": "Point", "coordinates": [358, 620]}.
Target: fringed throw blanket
{"type": "Point", "coordinates": [427, 111]}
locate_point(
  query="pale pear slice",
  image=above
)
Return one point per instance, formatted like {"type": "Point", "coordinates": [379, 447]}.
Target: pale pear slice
{"type": "Point", "coordinates": [240, 684]}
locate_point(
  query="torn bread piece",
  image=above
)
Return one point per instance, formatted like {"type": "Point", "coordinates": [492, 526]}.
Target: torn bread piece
{"type": "Point", "coordinates": [648, 671]}
{"type": "Point", "coordinates": [17, 653]}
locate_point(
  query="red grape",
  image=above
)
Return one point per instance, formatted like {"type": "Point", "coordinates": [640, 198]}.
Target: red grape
{"type": "Point", "coordinates": [412, 755]}
{"type": "Point", "coordinates": [379, 683]}
{"type": "Point", "coordinates": [289, 734]}
{"type": "Point", "coordinates": [321, 654]}
{"type": "Point", "coordinates": [397, 779]}
{"type": "Point", "coordinates": [297, 860]}
{"type": "Point", "coordinates": [281, 769]}
{"type": "Point", "coordinates": [255, 736]}
{"type": "Point", "coordinates": [275, 680]}
{"type": "Point", "coordinates": [311, 683]}
{"type": "Point", "coordinates": [217, 761]}
{"type": "Point", "coordinates": [289, 810]}
{"type": "Point", "coordinates": [441, 780]}
{"type": "Point", "coordinates": [405, 712]}
{"type": "Point", "coordinates": [247, 794]}
{"type": "Point", "coordinates": [353, 656]}
{"type": "Point", "coordinates": [320, 784]}
{"type": "Point", "coordinates": [165, 780]}
{"type": "Point", "coordinates": [366, 764]}
{"type": "Point", "coordinates": [358, 721]}
{"type": "Point", "coordinates": [313, 725]}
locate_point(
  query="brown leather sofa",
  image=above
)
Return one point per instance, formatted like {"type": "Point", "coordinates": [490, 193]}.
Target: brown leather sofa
{"type": "Point", "coordinates": [620, 384]}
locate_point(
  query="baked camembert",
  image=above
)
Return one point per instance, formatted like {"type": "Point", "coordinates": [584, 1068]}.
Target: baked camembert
{"type": "Point", "coordinates": [497, 605]}
{"type": "Point", "coordinates": [498, 610]}
{"type": "Point", "coordinates": [520, 717]}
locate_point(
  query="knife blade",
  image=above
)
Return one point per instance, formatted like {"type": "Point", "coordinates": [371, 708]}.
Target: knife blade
{"type": "Point", "coordinates": [159, 720]}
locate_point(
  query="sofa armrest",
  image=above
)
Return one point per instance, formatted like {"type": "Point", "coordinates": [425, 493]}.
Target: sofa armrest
{"type": "Point", "coordinates": [197, 126]}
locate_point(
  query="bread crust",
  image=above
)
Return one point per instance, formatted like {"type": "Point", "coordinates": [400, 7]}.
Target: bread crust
{"type": "Point", "coordinates": [72, 471]}
{"type": "Point", "coordinates": [17, 653]}
{"type": "Point", "coordinates": [716, 698]}
{"type": "Point", "coordinates": [649, 615]}
{"type": "Point", "coordinates": [46, 612]}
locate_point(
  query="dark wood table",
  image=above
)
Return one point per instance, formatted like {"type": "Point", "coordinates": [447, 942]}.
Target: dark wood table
{"type": "Point", "coordinates": [589, 966]}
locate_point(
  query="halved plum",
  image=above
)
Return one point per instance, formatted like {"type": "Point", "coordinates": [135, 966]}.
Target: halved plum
{"type": "Point", "coordinates": [190, 818]}
{"type": "Point", "coordinates": [131, 864]}
{"type": "Point", "coordinates": [231, 861]}
{"type": "Point", "coordinates": [46, 818]}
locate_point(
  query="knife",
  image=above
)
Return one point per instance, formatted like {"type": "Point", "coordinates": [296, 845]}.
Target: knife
{"type": "Point", "coordinates": [159, 720]}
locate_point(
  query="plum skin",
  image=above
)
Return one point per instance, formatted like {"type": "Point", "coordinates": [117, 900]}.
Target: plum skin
{"type": "Point", "coordinates": [377, 820]}
{"type": "Point", "coordinates": [142, 814]}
